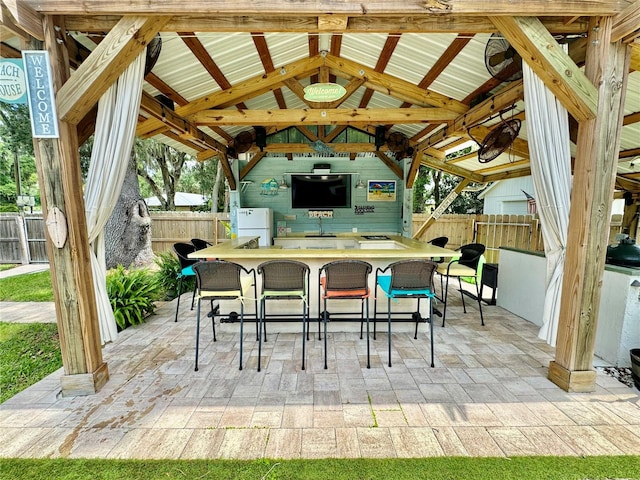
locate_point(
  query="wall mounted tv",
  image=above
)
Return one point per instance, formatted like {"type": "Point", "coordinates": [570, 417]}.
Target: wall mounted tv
{"type": "Point", "coordinates": [320, 191]}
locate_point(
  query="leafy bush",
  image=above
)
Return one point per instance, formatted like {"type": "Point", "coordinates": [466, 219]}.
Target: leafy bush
{"type": "Point", "coordinates": [132, 294]}
{"type": "Point", "coordinates": [168, 275]}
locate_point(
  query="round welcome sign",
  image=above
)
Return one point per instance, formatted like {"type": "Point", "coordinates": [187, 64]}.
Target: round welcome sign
{"type": "Point", "coordinates": [13, 85]}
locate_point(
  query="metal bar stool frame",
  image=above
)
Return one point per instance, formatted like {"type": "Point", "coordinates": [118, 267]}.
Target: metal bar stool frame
{"type": "Point", "coordinates": [182, 249]}
{"type": "Point", "coordinates": [345, 280]}
{"type": "Point", "coordinates": [223, 280]}
{"type": "Point", "coordinates": [464, 266]}
{"type": "Point", "coordinates": [408, 279]}
{"type": "Point", "coordinates": [283, 280]}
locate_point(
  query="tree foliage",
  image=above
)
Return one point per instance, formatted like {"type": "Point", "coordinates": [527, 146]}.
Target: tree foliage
{"type": "Point", "coordinates": [435, 184]}
{"type": "Point", "coordinates": [160, 167]}
{"type": "Point", "coordinates": [17, 163]}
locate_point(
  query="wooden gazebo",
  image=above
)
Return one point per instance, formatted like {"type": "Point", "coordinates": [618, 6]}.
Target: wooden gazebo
{"type": "Point", "coordinates": [417, 69]}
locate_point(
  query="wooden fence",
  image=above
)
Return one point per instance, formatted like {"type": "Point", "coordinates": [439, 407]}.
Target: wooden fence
{"type": "Point", "coordinates": [494, 231]}
{"type": "Point", "coordinates": [168, 228]}
{"type": "Point", "coordinates": [22, 237]}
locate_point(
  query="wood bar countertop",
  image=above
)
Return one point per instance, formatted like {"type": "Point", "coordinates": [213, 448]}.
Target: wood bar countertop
{"type": "Point", "coordinates": [363, 246]}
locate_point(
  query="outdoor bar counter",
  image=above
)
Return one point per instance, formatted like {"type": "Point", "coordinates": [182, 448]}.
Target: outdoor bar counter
{"type": "Point", "coordinates": [315, 250]}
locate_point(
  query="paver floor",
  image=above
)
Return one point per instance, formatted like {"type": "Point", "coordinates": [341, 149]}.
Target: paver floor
{"type": "Point", "coordinates": [488, 395]}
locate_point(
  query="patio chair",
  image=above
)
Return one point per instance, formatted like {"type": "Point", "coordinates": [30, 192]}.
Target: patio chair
{"type": "Point", "coordinates": [344, 280]}
{"type": "Point", "coordinates": [200, 243]}
{"type": "Point", "coordinates": [465, 266]}
{"type": "Point", "coordinates": [182, 250]}
{"type": "Point", "coordinates": [408, 279]}
{"type": "Point", "coordinates": [439, 242]}
{"type": "Point", "coordinates": [223, 280]}
{"type": "Point", "coordinates": [283, 280]}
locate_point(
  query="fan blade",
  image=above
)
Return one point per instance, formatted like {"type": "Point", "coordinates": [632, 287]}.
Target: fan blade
{"type": "Point", "coordinates": [497, 59]}
{"type": "Point", "coordinates": [509, 54]}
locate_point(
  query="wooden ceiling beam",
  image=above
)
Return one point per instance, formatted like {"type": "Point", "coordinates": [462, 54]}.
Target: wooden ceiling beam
{"type": "Point", "coordinates": [308, 148]}
{"type": "Point", "coordinates": [242, 91]}
{"type": "Point", "coordinates": [105, 64]}
{"type": "Point", "coordinates": [505, 98]}
{"type": "Point", "coordinates": [267, 62]}
{"type": "Point", "coordinates": [22, 19]}
{"type": "Point", "coordinates": [391, 164]}
{"type": "Point", "coordinates": [451, 169]}
{"type": "Point", "coordinates": [182, 126]}
{"type": "Point", "coordinates": [251, 164]}
{"type": "Point", "coordinates": [337, 116]}
{"type": "Point", "coordinates": [626, 23]}
{"type": "Point", "coordinates": [360, 8]}
{"type": "Point", "coordinates": [553, 66]}
{"type": "Point", "coordinates": [631, 118]}
{"type": "Point", "coordinates": [309, 24]}
{"type": "Point", "coordinates": [443, 61]}
{"type": "Point", "coordinates": [516, 173]}
{"type": "Point", "coordinates": [393, 86]}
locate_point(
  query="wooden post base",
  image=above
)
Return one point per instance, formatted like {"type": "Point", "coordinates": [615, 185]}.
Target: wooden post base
{"type": "Point", "coordinates": [84, 383]}
{"type": "Point", "coordinates": [576, 381]}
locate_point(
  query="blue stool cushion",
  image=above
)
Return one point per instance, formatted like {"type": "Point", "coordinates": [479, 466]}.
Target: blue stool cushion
{"type": "Point", "coordinates": [187, 271]}
{"type": "Point", "coordinates": [384, 281]}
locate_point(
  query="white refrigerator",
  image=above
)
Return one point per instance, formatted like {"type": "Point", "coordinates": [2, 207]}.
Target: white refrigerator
{"type": "Point", "coordinates": [255, 222]}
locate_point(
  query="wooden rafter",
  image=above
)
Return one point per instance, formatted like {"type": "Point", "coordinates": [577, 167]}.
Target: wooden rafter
{"type": "Point", "coordinates": [338, 116]}
{"type": "Point", "coordinates": [388, 8]}
{"type": "Point", "coordinates": [110, 58]}
{"type": "Point", "coordinates": [548, 60]}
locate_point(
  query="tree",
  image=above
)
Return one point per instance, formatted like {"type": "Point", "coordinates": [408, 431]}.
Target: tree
{"type": "Point", "coordinates": [17, 163]}
{"type": "Point", "coordinates": [160, 166]}
{"type": "Point", "coordinates": [128, 230]}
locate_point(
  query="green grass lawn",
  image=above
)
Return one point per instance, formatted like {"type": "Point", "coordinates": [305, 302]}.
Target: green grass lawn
{"type": "Point", "coordinates": [28, 353]}
{"type": "Point", "coordinates": [6, 266]}
{"type": "Point", "coordinates": [31, 287]}
{"type": "Point", "coordinates": [449, 468]}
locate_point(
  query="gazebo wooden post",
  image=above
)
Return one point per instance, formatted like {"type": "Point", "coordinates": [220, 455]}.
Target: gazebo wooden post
{"type": "Point", "coordinates": [592, 194]}
{"type": "Point", "coordinates": [60, 180]}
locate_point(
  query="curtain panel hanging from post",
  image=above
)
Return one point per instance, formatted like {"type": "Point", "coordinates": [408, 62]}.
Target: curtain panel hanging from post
{"type": "Point", "coordinates": [550, 157]}
{"type": "Point", "coordinates": [113, 140]}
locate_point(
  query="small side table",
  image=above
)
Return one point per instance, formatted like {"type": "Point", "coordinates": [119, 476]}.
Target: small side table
{"type": "Point", "coordinates": [489, 279]}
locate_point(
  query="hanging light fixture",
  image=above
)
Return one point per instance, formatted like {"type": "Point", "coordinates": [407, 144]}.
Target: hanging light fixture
{"type": "Point", "coordinates": [360, 184]}
{"type": "Point", "coordinates": [283, 184]}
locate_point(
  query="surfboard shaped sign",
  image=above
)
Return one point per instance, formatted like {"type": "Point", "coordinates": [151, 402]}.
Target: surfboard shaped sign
{"type": "Point", "coordinates": [324, 92]}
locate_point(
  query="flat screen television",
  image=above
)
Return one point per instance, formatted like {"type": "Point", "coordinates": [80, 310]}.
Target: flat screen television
{"type": "Point", "coordinates": [321, 191]}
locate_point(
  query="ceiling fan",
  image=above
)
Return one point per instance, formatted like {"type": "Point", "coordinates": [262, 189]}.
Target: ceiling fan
{"type": "Point", "coordinates": [153, 52]}
{"type": "Point", "coordinates": [498, 139]}
{"type": "Point", "coordinates": [503, 62]}
{"type": "Point", "coordinates": [243, 142]}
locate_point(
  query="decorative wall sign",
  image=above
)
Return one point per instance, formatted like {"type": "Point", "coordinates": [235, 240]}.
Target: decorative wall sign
{"type": "Point", "coordinates": [57, 226]}
{"type": "Point", "coordinates": [42, 102]}
{"type": "Point", "coordinates": [381, 191]}
{"type": "Point", "coordinates": [269, 186]}
{"type": "Point", "coordinates": [13, 85]}
{"type": "Point", "coordinates": [324, 92]}
{"type": "Point", "coordinates": [362, 209]}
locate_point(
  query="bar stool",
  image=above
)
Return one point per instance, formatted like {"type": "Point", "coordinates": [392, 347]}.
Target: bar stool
{"type": "Point", "coordinates": [343, 280]}
{"type": "Point", "coordinates": [223, 280]}
{"type": "Point", "coordinates": [182, 250]}
{"type": "Point", "coordinates": [464, 266]}
{"type": "Point", "coordinates": [200, 244]}
{"type": "Point", "coordinates": [408, 279]}
{"type": "Point", "coordinates": [283, 280]}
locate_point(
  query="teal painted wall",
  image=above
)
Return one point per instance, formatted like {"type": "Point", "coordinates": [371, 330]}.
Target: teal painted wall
{"type": "Point", "coordinates": [385, 216]}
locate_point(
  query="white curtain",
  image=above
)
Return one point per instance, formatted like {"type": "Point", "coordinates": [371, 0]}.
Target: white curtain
{"type": "Point", "coordinates": [548, 136]}
{"type": "Point", "coordinates": [113, 140]}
